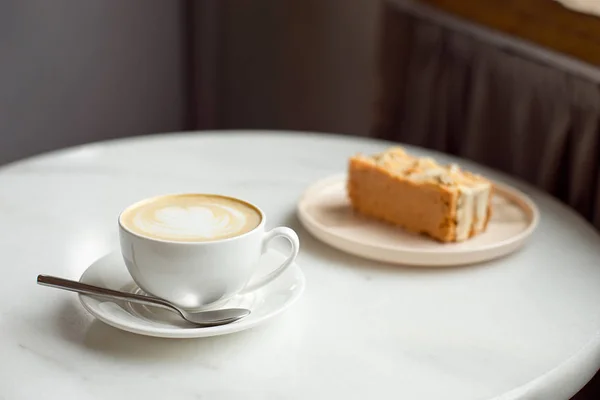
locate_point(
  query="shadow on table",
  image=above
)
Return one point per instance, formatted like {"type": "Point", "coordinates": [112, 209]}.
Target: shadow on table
{"type": "Point", "coordinates": [73, 326]}
{"type": "Point", "coordinates": [107, 340]}
{"type": "Point", "coordinates": [591, 391]}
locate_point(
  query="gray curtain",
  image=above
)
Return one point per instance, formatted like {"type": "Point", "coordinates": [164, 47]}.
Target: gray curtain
{"type": "Point", "coordinates": [451, 91]}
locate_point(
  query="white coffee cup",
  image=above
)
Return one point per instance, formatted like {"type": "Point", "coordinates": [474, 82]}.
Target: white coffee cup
{"type": "Point", "coordinates": [195, 275]}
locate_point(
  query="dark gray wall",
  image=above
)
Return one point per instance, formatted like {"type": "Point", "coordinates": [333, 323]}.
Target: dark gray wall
{"type": "Point", "coordinates": [74, 71]}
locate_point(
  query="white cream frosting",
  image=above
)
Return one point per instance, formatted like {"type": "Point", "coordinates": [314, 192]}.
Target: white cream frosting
{"type": "Point", "coordinates": [471, 209]}
{"type": "Point", "coordinates": [205, 221]}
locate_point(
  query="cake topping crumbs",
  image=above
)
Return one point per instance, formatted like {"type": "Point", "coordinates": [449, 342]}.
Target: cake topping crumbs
{"type": "Point", "coordinates": [424, 169]}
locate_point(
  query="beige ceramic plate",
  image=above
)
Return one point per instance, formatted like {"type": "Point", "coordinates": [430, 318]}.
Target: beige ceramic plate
{"type": "Point", "coordinates": [325, 211]}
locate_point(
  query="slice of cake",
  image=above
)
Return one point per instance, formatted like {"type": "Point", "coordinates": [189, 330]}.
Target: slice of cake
{"type": "Point", "coordinates": [420, 195]}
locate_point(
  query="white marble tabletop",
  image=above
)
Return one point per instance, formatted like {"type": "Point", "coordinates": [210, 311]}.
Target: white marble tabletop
{"type": "Point", "coordinates": [522, 327]}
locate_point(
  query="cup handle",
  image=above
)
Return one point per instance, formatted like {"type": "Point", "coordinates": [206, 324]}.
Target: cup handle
{"type": "Point", "coordinates": [292, 237]}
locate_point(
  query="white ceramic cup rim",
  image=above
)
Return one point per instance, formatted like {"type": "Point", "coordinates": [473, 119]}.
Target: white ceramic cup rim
{"type": "Point", "coordinates": [188, 243]}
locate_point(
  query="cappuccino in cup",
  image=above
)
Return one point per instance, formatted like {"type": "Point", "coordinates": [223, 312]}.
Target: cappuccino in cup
{"type": "Point", "coordinates": [197, 250]}
{"type": "Point", "coordinates": [191, 218]}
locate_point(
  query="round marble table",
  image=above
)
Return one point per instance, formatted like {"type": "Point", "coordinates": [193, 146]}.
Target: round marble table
{"type": "Point", "coordinates": [522, 327]}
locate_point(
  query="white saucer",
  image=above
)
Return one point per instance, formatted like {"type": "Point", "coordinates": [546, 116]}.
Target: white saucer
{"type": "Point", "coordinates": [325, 211]}
{"type": "Point", "coordinates": [264, 303]}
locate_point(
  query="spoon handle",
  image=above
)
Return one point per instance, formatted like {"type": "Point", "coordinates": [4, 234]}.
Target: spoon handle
{"type": "Point", "coordinates": [74, 286]}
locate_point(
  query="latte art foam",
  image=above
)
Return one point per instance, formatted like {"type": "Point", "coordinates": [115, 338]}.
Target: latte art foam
{"type": "Point", "coordinates": [191, 218]}
{"type": "Point", "coordinates": [207, 221]}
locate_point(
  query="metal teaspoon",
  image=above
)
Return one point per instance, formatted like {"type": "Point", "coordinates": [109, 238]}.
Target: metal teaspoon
{"type": "Point", "coordinates": [200, 318]}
